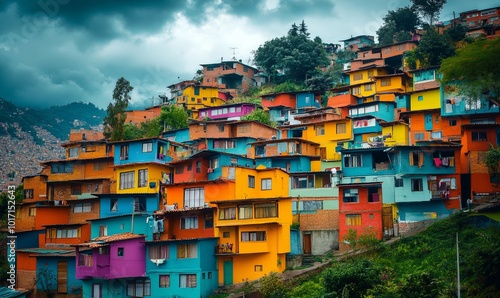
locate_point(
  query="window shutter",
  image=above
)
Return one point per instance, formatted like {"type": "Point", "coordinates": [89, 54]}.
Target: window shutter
{"type": "Point", "coordinates": [420, 159]}
{"type": "Point", "coordinates": [411, 159]}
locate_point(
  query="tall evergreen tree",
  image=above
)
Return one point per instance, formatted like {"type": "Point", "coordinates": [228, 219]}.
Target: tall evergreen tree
{"type": "Point", "coordinates": [114, 122]}
{"type": "Point", "coordinates": [428, 9]}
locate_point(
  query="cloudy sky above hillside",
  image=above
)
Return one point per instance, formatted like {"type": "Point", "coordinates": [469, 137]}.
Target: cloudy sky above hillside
{"type": "Point", "coordinates": [53, 52]}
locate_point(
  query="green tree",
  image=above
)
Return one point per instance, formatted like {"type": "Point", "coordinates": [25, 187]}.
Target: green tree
{"type": "Point", "coordinates": [260, 116]}
{"type": "Point", "coordinates": [47, 281]}
{"type": "Point", "coordinates": [398, 26]}
{"type": "Point", "coordinates": [291, 57]}
{"type": "Point", "coordinates": [456, 33]}
{"type": "Point", "coordinates": [198, 76]}
{"type": "Point", "coordinates": [428, 9]}
{"type": "Point", "coordinates": [173, 117]}
{"type": "Point", "coordinates": [431, 50]}
{"type": "Point", "coordinates": [350, 279]}
{"type": "Point", "coordinates": [303, 29]}
{"type": "Point", "coordinates": [492, 161]}
{"type": "Point", "coordinates": [114, 122]}
{"type": "Point", "coordinates": [308, 289]}
{"type": "Point", "coordinates": [475, 70]}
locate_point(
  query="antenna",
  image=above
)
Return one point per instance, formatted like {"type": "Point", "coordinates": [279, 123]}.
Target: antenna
{"type": "Point", "coordinates": [234, 53]}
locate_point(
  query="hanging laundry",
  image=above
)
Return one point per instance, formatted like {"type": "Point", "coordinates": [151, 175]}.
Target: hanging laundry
{"type": "Point", "coordinates": [160, 226]}
{"type": "Point", "coordinates": [437, 162]}
{"type": "Point", "coordinates": [445, 161]}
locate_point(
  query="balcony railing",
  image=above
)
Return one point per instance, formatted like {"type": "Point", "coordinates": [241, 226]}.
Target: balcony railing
{"type": "Point", "coordinates": [227, 248]}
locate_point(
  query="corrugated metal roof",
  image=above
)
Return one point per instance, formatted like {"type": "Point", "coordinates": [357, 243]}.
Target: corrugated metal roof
{"type": "Point", "coordinates": [6, 292]}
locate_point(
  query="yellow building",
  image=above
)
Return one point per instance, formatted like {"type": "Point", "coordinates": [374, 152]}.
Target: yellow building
{"type": "Point", "coordinates": [425, 100]}
{"type": "Point", "coordinates": [253, 226]}
{"type": "Point", "coordinates": [396, 133]}
{"type": "Point", "coordinates": [195, 97]}
{"type": "Point", "coordinates": [378, 83]}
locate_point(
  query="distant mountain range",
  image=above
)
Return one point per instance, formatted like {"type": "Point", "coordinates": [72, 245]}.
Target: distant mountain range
{"type": "Point", "coordinates": [58, 120]}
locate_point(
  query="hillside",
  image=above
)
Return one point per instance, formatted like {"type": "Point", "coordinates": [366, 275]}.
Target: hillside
{"type": "Point", "coordinates": [29, 136]}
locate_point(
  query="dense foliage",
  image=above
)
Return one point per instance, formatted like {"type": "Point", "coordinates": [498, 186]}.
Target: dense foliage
{"type": "Point", "coordinates": [398, 26]}
{"type": "Point", "coordinates": [260, 116]}
{"type": "Point", "coordinates": [428, 9]}
{"type": "Point", "coordinates": [477, 69]}
{"type": "Point", "coordinates": [431, 50]}
{"type": "Point", "coordinates": [424, 265]}
{"type": "Point", "coordinates": [292, 57]}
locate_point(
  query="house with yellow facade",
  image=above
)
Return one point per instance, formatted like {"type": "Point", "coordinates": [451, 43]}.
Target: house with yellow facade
{"type": "Point", "coordinates": [194, 97]}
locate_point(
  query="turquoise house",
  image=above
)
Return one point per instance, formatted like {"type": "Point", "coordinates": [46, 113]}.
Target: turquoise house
{"type": "Point", "coordinates": [58, 270]}
{"type": "Point", "coordinates": [182, 268]}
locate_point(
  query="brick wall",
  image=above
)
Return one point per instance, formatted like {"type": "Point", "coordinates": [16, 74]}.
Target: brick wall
{"type": "Point", "coordinates": [321, 220]}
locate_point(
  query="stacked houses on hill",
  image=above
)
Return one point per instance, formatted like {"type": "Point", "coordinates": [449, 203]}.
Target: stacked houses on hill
{"type": "Point", "coordinates": [226, 201]}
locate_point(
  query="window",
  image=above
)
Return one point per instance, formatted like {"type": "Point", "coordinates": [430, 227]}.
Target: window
{"type": "Point", "coordinates": [98, 166]}
{"type": "Point", "coordinates": [56, 168]}
{"type": "Point", "coordinates": [139, 204]}
{"type": "Point", "coordinates": [158, 252]}
{"type": "Point", "coordinates": [113, 205]}
{"type": "Point", "coordinates": [126, 180]}
{"type": "Point", "coordinates": [76, 189]}
{"type": "Point", "coordinates": [420, 98]}
{"type": "Point", "coordinates": [28, 193]}
{"type": "Point", "coordinates": [385, 82]}
{"type": "Point", "coordinates": [320, 130]}
{"type": "Point", "coordinates": [257, 268]}
{"type": "Point", "coordinates": [189, 222]}
{"type": "Point", "coordinates": [120, 252]}
{"type": "Point", "coordinates": [73, 152]}
{"type": "Point", "coordinates": [341, 128]}
{"type": "Point", "coordinates": [68, 233]}
{"type": "Point", "coordinates": [103, 231]}
{"type": "Point", "coordinates": [190, 167]}
{"type": "Point", "coordinates": [245, 211]}
{"type": "Point", "coordinates": [139, 288]}
{"type": "Point", "coordinates": [351, 195]}
{"type": "Point", "coordinates": [352, 161]}
{"type": "Point", "coordinates": [253, 236]}
{"type": "Point", "coordinates": [370, 73]}
{"type": "Point", "coordinates": [266, 184]}
{"type": "Point", "coordinates": [368, 87]}
{"type": "Point", "coordinates": [124, 152]}
{"type": "Point", "coordinates": [398, 182]}
{"type": "Point", "coordinates": [209, 220]}
{"type": "Point", "coordinates": [179, 169]}
{"type": "Point", "coordinates": [357, 76]}
{"type": "Point", "coordinates": [356, 90]}
{"type": "Point", "coordinates": [425, 75]}
{"type": "Point", "coordinates": [143, 178]}
{"type": "Point", "coordinates": [472, 104]}
{"type": "Point", "coordinates": [186, 251]}
{"type": "Point", "coordinates": [266, 210]}
{"type": "Point", "coordinates": [96, 291]}
{"type": "Point", "coordinates": [353, 219]}
{"type": "Point", "coordinates": [187, 281]}
{"type": "Point", "coordinates": [164, 281]}
{"type": "Point", "coordinates": [416, 185]}
{"type": "Point", "coordinates": [221, 128]}
{"type": "Point", "coordinates": [373, 194]}
{"type": "Point", "coordinates": [198, 167]}
{"type": "Point", "coordinates": [194, 197]}
{"type": "Point", "coordinates": [82, 207]}
{"type": "Point", "coordinates": [32, 212]}
{"type": "Point", "coordinates": [230, 144]}
{"type": "Point", "coordinates": [214, 163]}
{"type": "Point", "coordinates": [251, 181]}
{"type": "Point", "coordinates": [147, 147]}
{"type": "Point", "coordinates": [226, 235]}
{"type": "Point", "coordinates": [453, 122]}
{"type": "Point", "coordinates": [85, 260]}
{"type": "Point", "coordinates": [479, 136]}
{"type": "Point", "coordinates": [227, 213]}
{"type": "Point", "coordinates": [416, 159]}
{"type": "Point", "coordinates": [419, 136]}
{"type": "Point", "coordinates": [436, 135]}
{"type": "Point", "coordinates": [104, 250]}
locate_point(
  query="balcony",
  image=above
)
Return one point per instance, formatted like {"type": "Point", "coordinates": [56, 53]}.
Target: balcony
{"type": "Point", "coordinates": [225, 249]}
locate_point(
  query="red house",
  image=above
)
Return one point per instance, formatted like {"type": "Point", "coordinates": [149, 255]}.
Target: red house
{"type": "Point", "coordinates": [360, 209]}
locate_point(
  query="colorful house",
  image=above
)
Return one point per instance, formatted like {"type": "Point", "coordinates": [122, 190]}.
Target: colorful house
{"type": "Point", "coordinates": [229, 76]}
{"type": "Point", "coordinates": [113, 266]}
{"type": "Point", "coordinates": [195, 97]}
{"type": "Point", "coordinates": [229, 111]}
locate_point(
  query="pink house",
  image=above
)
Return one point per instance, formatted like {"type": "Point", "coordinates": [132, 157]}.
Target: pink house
{"type": "Point", "coordinates": [109, 257]}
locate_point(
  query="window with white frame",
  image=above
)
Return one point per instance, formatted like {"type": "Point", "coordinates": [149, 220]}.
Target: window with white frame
{"type": "Point", "coordinates": [147, 147]}
{"type": "Point", "coordinates": [266, 184]}
{"type": "Point", "coordinates": [73, 152]}
{"type": "Point", "coordinates": [127, 180]}
{"type": "Point", "coordinates": [143, 178]}
{"type": "Point", "coordinates": [124, 152]}
{"type": "Point", "coordinates": [253, 236]}
{"type": "Point", "coordinates": [351, 195]}
{"type": "Point", "coordinates": [353, 160]}
{"type": "Point", "coordinates": [189, 222]}
{"type": "Point", "coordinates": [194, 197]}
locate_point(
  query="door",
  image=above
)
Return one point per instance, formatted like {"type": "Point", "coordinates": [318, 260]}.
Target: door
{"type": "Point", "coordinates": [428, 121]}
{"type": "Point", "coordinates": [307, 244]}
{"type": "Point", "coordinates": [62, 277]}
{"type": "Point", "coordinates": [387, 221]}
{"type": "Point", "coordinates": [228, 272]}
{"type": "Point", "coordinates": [96, 291]}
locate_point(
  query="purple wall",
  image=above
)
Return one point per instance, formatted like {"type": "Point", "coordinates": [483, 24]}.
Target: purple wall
{"type": "Point", "coordinates": [244, 110]}
{"type": "Point", "coordinates": [111, 266]}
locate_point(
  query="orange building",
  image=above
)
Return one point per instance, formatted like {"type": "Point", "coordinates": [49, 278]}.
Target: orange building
{"type": "Point", "coordinates": [229, 76]}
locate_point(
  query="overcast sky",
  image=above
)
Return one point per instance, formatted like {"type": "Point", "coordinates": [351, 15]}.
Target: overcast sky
{"type": "Point", "coordinates": [54, 52]}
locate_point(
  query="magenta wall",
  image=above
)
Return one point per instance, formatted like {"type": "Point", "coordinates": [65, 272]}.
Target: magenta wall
{"type": "Point", "coordinates": [132, 263]}
{"type": "Point", "coordinates": [245, 109]}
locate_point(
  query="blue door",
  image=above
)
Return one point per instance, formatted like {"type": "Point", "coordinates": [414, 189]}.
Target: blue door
{"type": "Point", "coordinates": [228, 272]}
{"type": "Point", "coordinates": [428, 121]}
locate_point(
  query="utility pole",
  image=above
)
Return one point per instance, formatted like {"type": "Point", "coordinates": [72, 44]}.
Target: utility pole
{"type": "Point", "coordinates": [458, 271]}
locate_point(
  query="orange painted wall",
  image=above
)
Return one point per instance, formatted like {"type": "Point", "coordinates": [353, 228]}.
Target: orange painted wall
{"type": "Point", "coordinates": [191, 175]}
{"type": "Point", "coordinates": [209, 130]}
{"type": "Point", "coordinates": [213, 190]}
{"type": "Point", "coordinates": [39, 186]}
{"type": "Point", "coordinates": [24, 261]}
{"type": "Point", "coordinates": [90, 135]}
{"type": "Point", "coordinates": [173, 226]}
{"type": "Point", "coordinates": [24, 222]}
{"type": "Point", "coordinates": [417, 122]}
{"type": "Point", "coordinates": [140, 116]}
{"type": "Point", "coordinates": [84, 236]}
{"type": "Point", "coordinates": [342, 100]}
{"type": "Point", "coordinates": [51, 215]}
{"type": "Point", "coordinates": [89, 150]}
{"type": "Point", "coordinates": [281, 99]}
